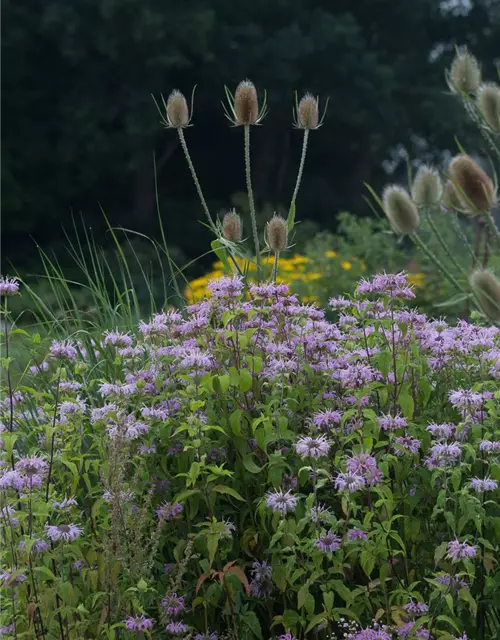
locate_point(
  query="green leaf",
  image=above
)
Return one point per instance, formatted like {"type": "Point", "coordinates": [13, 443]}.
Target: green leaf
{"type": "Point", "coordinates": [221, 488]}
{"type": "Point", "coordinates": [183, 495]}
{"type": "Point", "coordinates": [218, 249]}
{"type": "Point", "coordinates": [290, 618]}
{"type": "Point", "coordinates": [321, 617]}
{"type": "Point", "coordinates": [367, 562]}
{"type": "Point", "coordinates": [252, 622]}
{"type": "Point", "coordinates": [302, 595]}
{"type": "Point", "coordinates": [246, 380]}
{"type": "Point", "coordinates": [212, 544]}
{"type": "Point", "coordinates": [407, 405]}
{"type": "Point", "coordinates": [250, 465]}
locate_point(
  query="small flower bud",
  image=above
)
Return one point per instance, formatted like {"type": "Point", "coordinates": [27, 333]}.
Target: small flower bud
{"type": "Point", "coordinates": [451, 199]}
{"type": "Point", "coordinates": [400, 210]}
{"type": "Point", "coordinates": [177, 110]}
{"type": "Point", "coordinates": [474, 187]}
{"type": "Point", "coordinates": [232, 228]}
{"type": "Point", "coordinates": [277, 234]}
{"type": "Point", "coordinates": [246, 106]}
{"type": "Point", "coordinates": [427, 188]}
{"type": "Point", "coordinates": [488, 103]}
{"type": "Point", "coordinates": [487, 288]}
{"type": "Point", "coordinates": [464, 75]}
{"type": "Point", "coordinates": [308, 112]}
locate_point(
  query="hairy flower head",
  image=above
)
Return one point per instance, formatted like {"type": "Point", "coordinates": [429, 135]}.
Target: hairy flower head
{"type": "Point", "coordinates": [464, 75]}
{"type": "Point", "coordinates": [474, 187]}
{"type": "Point", "coordinates": [400, 210]}
{"type": "Point", "coordinates": [487, 288]}
{"type": "Point", "coordinates": [427, 188]}
{"type": "Point", "coordinates": [232, 228]}
{"type": "Point", "coordinates": [488, 103]}
{"type": "Point", "coordinates": [277, 234]}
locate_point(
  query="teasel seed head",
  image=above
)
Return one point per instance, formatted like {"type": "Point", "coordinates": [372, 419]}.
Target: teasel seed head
{"type": "Point", "coordinates": [474, 188]}
{"type": "Point", "coordinates": [487, 288]}
{"type": "Point", "coordinates": [451, 199]}
{"type": "Point", "coordinates": [400, 210]}
{"type": "Point", "coordinates": [488, 103]}
{"type": "Point", "coordinates": [246, 105]}
{"type": "Point", "coordinates": [277, 234]}
{"type": "Point", "coordinates": [232, 228]}
{"type": "Point", "coordinates": [427, 188]}
{"type": "Point", "coordinates": [464, 75]}
{"type": "Point", "coordinates": [177, 110]}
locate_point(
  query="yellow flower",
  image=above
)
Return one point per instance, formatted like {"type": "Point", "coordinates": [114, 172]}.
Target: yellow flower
{"type": "Point", "coordinates": [299, 260]}
{"type": "Point", "coordinates": [331, 254]}
{"type": "Point", "coordinates": [309, 298]}
{"type": "Point", "coordinates": [346, 265]}
{"type": "Point", "coordinates": [416, 279]}
{"type": "Point", "coordinates": [313, 275]}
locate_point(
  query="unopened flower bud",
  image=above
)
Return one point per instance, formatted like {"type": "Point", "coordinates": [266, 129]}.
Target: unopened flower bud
{"type": "Point", "coordinates": [488, 103]}
{"type": "Point", "coordinates": [474, 187]}
{"type": "Point", "coordinates": [277, 234]}
{"type": "Point", "coordinates": [400, 210]}
{"type": "Point", "coordinates": [427, 188]}
{"type": "Point", "coordinates": [177, 110]}
{"type": "Point", "coordinates": [451, 199]}
{"type": "Point", "coordinates": [232, 228]}
{"type": "Point", "coordinates": [308, 112]}
{"type": "Point", "coordinates": [246, 106]}
{"type": "Point", "coordinates": [464, 75]}
{"type": "Point", "coordinates": [487, 289]}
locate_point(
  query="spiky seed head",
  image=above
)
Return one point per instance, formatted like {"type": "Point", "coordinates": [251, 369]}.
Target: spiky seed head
{"type": "Point", "coordinates": [465, 74]}
{"type": "Point", "coordinates": [451, 199]}
{"type": "Point", "coordinates": [177, 110]}
{"type": "Point", "coordinates": [427, 188]}
{"type": "Point", "coordinates": [487, 288]}
{"type": "Point", "coordinates": [277, 234]}
{"type": "Point", "coordinates": [246, 105]}
{"type": "Point", "coordinates": [232, 228]}
{"type": "Point", "coordinates": [400, 210]}
{"type": "Point", "coordinates": [308, 112]}
{"type": "Point", "coordinates": [488, 103]}
{"type": "Point", "coordinates": [473, 186]}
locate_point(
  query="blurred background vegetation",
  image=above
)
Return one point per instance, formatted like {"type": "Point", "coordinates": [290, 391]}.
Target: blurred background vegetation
{"type": "Point", "coordinates": [80, 128]}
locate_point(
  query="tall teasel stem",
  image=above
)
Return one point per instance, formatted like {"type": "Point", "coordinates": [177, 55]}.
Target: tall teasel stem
{"type": "Point", "coordinates": [458, 228]}
{"type": "Point", "coordinates": [443, 244]}
{"type": "Point", "coordinates": [491, 223]}
{"type": "Point", "coordinates": [418, 241]}
{"type": "Point", "coordinates": [301, 167]}
{"type": "Point", "coordinates": [274, 274]}
{"type": "Point", "coordinates": [182, 139]}
{"type": "Point", "coordinates": [251, 202]}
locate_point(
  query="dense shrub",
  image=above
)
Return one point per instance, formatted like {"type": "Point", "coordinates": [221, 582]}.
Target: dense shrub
{"type": "Point", "coordinates": [250, 470]}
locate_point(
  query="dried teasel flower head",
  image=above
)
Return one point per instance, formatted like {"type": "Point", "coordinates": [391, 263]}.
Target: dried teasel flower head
{"type": "Point", "coordinates": [400, 210]}
{"type": "Point", "coordinates": [464, 75]}
{"type": "Point", "coordinates": [487, 288]}
{"type": "Point", "coordinates": [277, 234]}
{"type": "Point", "coordinates": [175, 112]}
{"type": "Point", "coordinates": [488, 103]}
{"type": "Point", "coordinates": [475, 189]}
{"type": "Point", "coordinates": [451, 199]}
{"type": "Point", "coordinates": [306, 114]}
{"type": "Point", "coordinates": [244, 106]}
{"type": "Point", "coordinates": [232, 227]}
{"type": "Point", "coordinates": [427, 188]}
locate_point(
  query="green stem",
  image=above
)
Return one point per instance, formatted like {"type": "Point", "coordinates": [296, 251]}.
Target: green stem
{"type": "Point", "coordinates": [301, 167]}
{"type": "Point", "coordinates": [274, 274]}
{"type": "Point", "coordinates": [251, 201]}
{"type": "Point", "coordinates": [491, 223]}
{"type": "Point", "coordinates": [417, 240]}
{"type": "Point", "coordinates": [445, 247]}
{"type": "Point", "coordinates": [195, 180]}
{"type": "Point", "coordinates": [463, 237]}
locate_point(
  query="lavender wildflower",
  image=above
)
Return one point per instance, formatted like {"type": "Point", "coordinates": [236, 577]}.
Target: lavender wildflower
{"type": "Point", "coordinates": [173, 604]}
{"type": "Point", "coordinates": [138, 623]}
{"type": "Point", "coordinates": [308, 447]}
{"type": "Point", "coordinates": [328, 543]}
{"type": "Point", "coordinates": [460, 550]}
{"type": "Point", "coordinates": [64, 532]}
{"type": "Point", "coordinates": [281, 502]}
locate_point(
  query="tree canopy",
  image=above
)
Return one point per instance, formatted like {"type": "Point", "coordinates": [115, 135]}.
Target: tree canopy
{"type": "Point", "coordinates": [80, 127]}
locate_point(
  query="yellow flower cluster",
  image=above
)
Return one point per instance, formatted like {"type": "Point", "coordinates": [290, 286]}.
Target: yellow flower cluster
{"type": "Point", "coordinates": [295, 271]}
